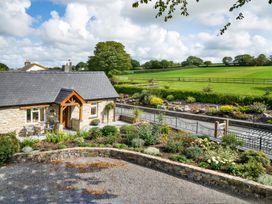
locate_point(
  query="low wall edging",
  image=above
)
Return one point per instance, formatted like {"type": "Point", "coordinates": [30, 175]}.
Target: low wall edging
{"type": "Point", "coordinates": [196, 174]}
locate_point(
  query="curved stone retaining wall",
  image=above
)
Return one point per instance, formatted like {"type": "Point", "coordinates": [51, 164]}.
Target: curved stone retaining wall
{"type": "Point", "coordinates": [199, 175]}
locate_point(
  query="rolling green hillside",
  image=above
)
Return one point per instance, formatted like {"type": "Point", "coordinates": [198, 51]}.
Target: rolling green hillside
{"type": "Point", "coordinates": [217, 72]}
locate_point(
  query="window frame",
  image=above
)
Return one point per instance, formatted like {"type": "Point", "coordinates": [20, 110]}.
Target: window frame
{"type": "Point", "coordinates": [94, 105]}
{"type": "Point", "coordinates": [35, 110]}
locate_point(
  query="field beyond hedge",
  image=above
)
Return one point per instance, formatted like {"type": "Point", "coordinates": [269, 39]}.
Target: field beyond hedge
{"type": "Point", "coordinates": [216, 72]}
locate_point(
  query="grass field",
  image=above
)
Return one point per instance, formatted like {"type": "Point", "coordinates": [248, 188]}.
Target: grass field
{"type": "Point", "coordinates": [217, 72]}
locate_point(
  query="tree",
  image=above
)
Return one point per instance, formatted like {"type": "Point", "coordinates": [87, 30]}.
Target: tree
{"type": "Point", "coordinates": [3, 67]}
{"type": "Point", "coordinates": [168, 8]}
{"type": "Point", "coordinates": [156, 64]}
{"type": "Point", "coordinates": [262, 60]}
{"type": "Point", "coordinates": [244, 60]}
{"type": "Point", "coordinates": [108, 56]}
{"type": "Point", "coordinates": [227, 60]}
{"type": "Point", "coordinates": [81, 66]}
{"type": "Point", "coordinates": [135, 63]}
{"type": "Point", "coordinates": [207, 63]}
{"type": "Point", "coordinates": [192, 60]}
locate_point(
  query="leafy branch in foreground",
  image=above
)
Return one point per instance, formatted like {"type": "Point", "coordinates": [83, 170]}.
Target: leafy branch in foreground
{"type": "Point", "coordinates": [169, 7]}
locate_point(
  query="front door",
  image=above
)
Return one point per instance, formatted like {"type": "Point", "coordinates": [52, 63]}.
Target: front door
{"type": "Point", "coordinates": [66, 117]}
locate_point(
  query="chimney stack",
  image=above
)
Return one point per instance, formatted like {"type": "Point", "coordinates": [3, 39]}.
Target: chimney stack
{"type": "Point", "coordinates": [68, 66]}
{"type": "Point", "coordinates": [27, 62]}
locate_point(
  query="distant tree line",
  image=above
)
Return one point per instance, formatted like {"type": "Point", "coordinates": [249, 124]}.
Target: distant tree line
{"type": "Point", "coordinates": [3, 67]}
{"type": "Point", "coordinates": [248, 60]}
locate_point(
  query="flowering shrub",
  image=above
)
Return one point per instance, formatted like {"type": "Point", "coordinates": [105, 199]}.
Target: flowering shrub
{"type": "Point", "coordinates": [155, 101]}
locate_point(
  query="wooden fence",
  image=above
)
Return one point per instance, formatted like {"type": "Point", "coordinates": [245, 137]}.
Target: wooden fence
{"type": "Point", "coordinates": [210, 80]}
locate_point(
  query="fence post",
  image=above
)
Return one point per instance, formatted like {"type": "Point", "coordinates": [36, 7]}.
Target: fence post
{"type": "Point", "coordinates": [226, 127]}
{"type": "Point", "coordinates": [154, 117]}
{"type": "Point", "coordinates": [216, 125]}
{"type": "Point", "coordinates": [176, 122]}
{"type": "Point", "coordinates": [260, 148]}
{"type": "Point", "coordinates": [197, 127]}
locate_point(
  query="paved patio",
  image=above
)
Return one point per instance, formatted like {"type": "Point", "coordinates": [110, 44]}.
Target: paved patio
{"type": "Point", "coordinates": [100, 180]}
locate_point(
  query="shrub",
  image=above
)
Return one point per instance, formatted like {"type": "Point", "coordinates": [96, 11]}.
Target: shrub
{"type": "Point", "coordinates": [259, 157]}
{"type": "Point", "coordinates": [174, 146]}
{"type": "Point", "coordinates": [95, 122]}
{"type": "Point", "coordinates": [220, 157]}
{"type": "Point", "coordinates": [239, 115]}
{"type": "Point", "coordinates": [227, 109]}
{"type": "Point", "coordinates": [212, 111]}
{"type": "Point", "coordinates": [149, 133]}
{"type": "Point", "coordinates": [265, 179]}
{"type": "Point", "coordinates": [8, 146]}
{"type": "Point", "coordinates": [251, 170]}
{"type": "Point", "coordinates": [179, 158]}
{"type": "Point", "coordinates": [170, 98]}
{"type": "Point", "coordinates": [111, 139]}
{"type": "Point", "coordinates": [56, 137]}
{"type": "Point", "coordinates": [79, 140]}
{"type": "Point", "coordinates": [232, 141]}
{"type": "Point", "coordinates": [190, 99]}
{"type": "Point", "coordinates": [244, 109]}
{"type": "Point", "coordinates": [128, 132]}
{"type": "Point", "coordinates": [155, 101]}
{"type": "Point", "coordinates": [165, 129]}
{"type": "Point", "coordinates": [137, 115]}
{"type": "Point", "coordinates": [137, 142]}
{"type": "Point", "coordinates": [202, 137]}
{"type": "Point", "coordinates": [28, 143]}
{"type": "Point", "coordinates": [207, 89]}
{"type": "Point", "coordinates": [258, 107]}
{"type": "Point", "coordinates": [62, 146]}
{"type": "Point", "coordinates": [109, 130]}
{"type": "Point", "coordinates": [83, 134]}
{"type": "Point", "coordinates": [152, 151]}
{"type": "Point", "coordinates": [193, 152]}
{"type": "Point", "coordinates": [120, 146]}
{"type": "Point", "coordinates": [204, 165]}
{"type": "Point", "coordinates": [95, 133]}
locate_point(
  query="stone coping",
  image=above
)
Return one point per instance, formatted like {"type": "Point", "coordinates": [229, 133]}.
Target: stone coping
{"type": "Point", "coordinates": [196, 174]}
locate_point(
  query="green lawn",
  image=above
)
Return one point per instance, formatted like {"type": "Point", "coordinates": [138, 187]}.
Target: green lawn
{"type": "Point", "coordinates": [218, 72]}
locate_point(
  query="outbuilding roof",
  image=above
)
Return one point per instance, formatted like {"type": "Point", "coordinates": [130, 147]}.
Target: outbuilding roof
{"type": "Point", "coordinates": [26, 88]}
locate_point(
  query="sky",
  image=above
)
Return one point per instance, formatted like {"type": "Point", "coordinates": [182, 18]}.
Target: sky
{"type": "Point", "coordinates": [50, 32]}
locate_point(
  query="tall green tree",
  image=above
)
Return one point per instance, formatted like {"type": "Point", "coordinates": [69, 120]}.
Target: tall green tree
{"type": "Point", "coordinates": [227, 60]}
{"type": "Point", "coordinates": [262, 60]}
{"type": "Point", "coordinates": [81, 66]}
{"type": "Point", "coordinates": [207, 63]}
{"type": "Point", "coordinates": [192, 60]}
{"type": "Point", "coordinates": [135, 63]}
{"type": "Point", "coordinates": [3, 67]}
{"type": "Point", "coordinates": [244, 60]}
{"type": "Point", "coordinates": [156, 64]}
{"type": "Point", "coordinates": [108, 56]}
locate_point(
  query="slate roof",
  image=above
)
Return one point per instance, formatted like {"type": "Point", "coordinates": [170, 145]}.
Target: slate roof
{"type": "Point", "coordinates": [26, 88]}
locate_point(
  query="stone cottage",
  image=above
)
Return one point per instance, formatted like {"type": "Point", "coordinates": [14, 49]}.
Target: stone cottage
{"type": "Point", "coordinates": [36, 101]}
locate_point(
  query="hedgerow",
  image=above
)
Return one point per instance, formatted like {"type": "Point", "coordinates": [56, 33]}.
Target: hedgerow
{"type": "Point", "coordinates": [216, 98]}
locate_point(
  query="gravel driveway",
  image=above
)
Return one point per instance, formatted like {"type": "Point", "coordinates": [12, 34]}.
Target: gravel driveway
{"type": "Point", "coordinates": [99, 180]}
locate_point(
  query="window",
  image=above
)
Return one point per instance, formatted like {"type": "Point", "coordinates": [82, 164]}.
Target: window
{"type": "Point", "coordinates": [35, 115]}
{"type": "Point", "coordinates": [93, 109]}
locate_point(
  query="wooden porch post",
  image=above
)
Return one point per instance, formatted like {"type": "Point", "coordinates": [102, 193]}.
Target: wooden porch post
{"type": "Point", "coordinates": [61, 114]}
{"type": "Point", "coordinates": [80, 112]}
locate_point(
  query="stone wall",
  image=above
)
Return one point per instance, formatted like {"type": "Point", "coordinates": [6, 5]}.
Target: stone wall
{"type": "Point", "coordinates": [12, 119]}
{"type": "Point", "coordinates": [221, 181]}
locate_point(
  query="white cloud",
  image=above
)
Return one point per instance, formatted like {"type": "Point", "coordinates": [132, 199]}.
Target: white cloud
{"type": "Point", "coordinates": [13, 17]}
{"type": "Point", "coordinates": [75, 34]}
